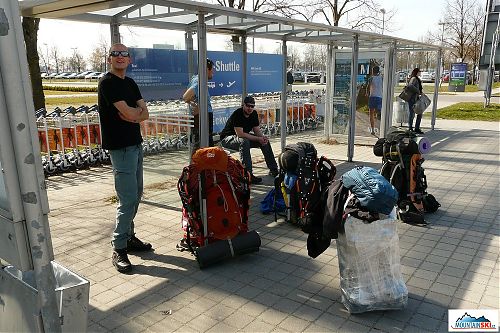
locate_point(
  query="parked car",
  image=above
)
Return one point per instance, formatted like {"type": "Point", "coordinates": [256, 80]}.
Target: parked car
{"type": "Point", "coordinates": [402, 76]}
{"type": "Point", "coordinates": [446, 77]}
{"type": "Point", "coordinates": [426, 77]}
{"type": "Point", "coordinates": [91, 75]}
{"type": "Point", "coordinates": [298, 76]}
{"type": "Point", "coordinates": [61, 75]}
{"type": "Point", "coordinates": [82, 74]}
{"type": "Point", "coordinates": [72, 76]}
{"type": "Point", "coordinates": [313, 77]}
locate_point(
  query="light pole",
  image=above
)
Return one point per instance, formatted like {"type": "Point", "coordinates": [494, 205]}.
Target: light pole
{"type": "Point", "coordinates": [46, 59]}
{"type": "Point", "coordinates": [442, 59]}
{"type": "Point", "coordinates": [253, 38]}
{"type": "Point", "coordinates": [382, 10]}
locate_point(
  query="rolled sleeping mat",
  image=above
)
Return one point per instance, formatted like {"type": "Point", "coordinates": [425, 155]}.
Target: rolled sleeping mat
{"type": "Point", "coordinates": [424, 145]}
{"type": "Point", "coordinates": [224, 249]}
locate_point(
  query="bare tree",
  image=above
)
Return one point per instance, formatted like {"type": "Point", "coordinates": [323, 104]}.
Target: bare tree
{"type": "Point", "coordinates": [96, 59]}
{"type": "Point", "coordinates": [462, 28]}
{"type": "Point", "coordinates": [55, 55]}
{"type": "Point", "coordinates": [76, 61]}
{"type": "Point", "coordinates": [287, 8]}
{"type": "Point", "coordinates": [359, 14]}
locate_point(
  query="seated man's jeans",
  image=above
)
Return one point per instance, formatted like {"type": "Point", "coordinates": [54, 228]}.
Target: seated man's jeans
{"type": "Point", "coordinates": [127, 169]}
{"type": "Point", "coordinates": [243, 145]}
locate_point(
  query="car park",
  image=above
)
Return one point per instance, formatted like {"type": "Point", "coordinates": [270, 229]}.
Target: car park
{"type": "Point", "coordinates": [91, 75]}
{"type": "Point", "coordinates": [313, 77]}
{"type": "Point", "coordinates": [426, 77]}
{"type": "Point", "coordinates": [402, 76]}
{"type": "Point", "coordinates": [298, 76]}
{"type": "Point", "coordinates": [82, 74]}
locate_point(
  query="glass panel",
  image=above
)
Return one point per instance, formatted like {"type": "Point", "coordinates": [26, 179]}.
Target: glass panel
{"type": "Point", "coordinates": [366, 124]}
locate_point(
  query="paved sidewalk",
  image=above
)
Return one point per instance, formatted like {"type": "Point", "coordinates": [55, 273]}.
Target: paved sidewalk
{"type": "Point", "coordinates": [451, 263]}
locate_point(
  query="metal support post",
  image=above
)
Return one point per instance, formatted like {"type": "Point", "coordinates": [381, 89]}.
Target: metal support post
{"type": "Point", "coordinates": [244, 49]}
{"type": "Point", "coordinates": [329, 92]}
{"type": "Point", "coordinates": [436, 88]}
{"type": "Point", "coordinates": [16, 106]}
{"type": "Point", "coordinates": [114, 28]}
{"type": "Point", "coordinates": [491, 66]}
{"type": "Point", "coordinates": [202, 80]}
{"type": "Point", "coordinates": [188, 37]}
{"type": "Point", "coordinates": [283, 111]}
{"type": "Point", "coordinates": [388, 90]}
{"type": "Point", "coordinates": [353, 94]}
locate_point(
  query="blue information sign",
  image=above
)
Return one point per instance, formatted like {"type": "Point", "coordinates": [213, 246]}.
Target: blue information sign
{"type": "Point", "coordinates": [163, 74]}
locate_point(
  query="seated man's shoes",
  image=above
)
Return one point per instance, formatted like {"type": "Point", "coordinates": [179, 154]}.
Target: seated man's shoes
{"type": "Point", "coordinates": [255, 180]}
{"type": "Point", "coordinates": [120, 261]}
{"type": "Point", "coordinates": [273, 172]}
{"type": "Point", "coordinates": [135, 244]}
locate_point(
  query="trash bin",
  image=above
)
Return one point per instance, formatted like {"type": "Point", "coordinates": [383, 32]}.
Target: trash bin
{"type": "Point", "coordinates": [19, 305]}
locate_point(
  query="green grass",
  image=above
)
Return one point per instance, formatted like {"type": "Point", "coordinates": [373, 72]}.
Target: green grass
{"type": "Point", "coordinates": [73, 100]}
{"type": "Point", "coordinates": [59, 92]}
{"type": "Point", "coordinates": [470, 111]}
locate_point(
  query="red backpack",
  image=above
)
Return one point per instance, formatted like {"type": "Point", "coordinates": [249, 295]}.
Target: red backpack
{"type": "Point", "coordinates": [215, 185]}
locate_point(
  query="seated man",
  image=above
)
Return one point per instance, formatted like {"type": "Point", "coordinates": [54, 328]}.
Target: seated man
{"type": "Point", "coordinates": [236, 136]}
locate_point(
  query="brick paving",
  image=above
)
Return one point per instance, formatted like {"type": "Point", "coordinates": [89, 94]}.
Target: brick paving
{"type": "Point", "coordinates": [453, 262]}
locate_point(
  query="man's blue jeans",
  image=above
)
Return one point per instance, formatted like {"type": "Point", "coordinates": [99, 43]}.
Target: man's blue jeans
{"type": "Point", "coordinates": [243, 146]}
{"type": "Point", "coordinates": [127, 169]}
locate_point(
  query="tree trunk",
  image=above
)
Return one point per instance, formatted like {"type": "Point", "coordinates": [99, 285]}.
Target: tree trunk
{"type": "Point", "coordinates": [30, 30]}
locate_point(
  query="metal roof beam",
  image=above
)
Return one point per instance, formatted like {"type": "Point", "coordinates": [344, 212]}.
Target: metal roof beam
{"type": "Point", "coordinates": [156, 16]}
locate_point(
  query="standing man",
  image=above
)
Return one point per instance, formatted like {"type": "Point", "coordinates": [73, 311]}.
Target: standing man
{"type": "Point", "coordinates": [375, 99]}
{"type": "Point", "coordinates": [236, 136]}
{"type": "Point", "coordinates": [191, 97]}
{"type": "Point", "coordinates": [121, 109]}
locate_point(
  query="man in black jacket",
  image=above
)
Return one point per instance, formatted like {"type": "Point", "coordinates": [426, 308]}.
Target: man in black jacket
{"type": "Point", "coordinates": [242, 132]}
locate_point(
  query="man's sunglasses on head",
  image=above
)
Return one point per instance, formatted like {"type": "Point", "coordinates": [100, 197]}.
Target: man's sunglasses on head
{"type": "Point", "coordinates": [119, 53]}
{"type": "Point", "coordinates": [250, 105]}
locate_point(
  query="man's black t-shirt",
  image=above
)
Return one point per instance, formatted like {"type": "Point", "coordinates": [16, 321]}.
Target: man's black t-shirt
{"type": "Point", "coordinates": [117, 133]}
{"type": "Point", "coordinates": [238, 119]}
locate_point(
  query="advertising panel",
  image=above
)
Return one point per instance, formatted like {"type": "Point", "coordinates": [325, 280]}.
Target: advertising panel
{"type": "Point", "coordinates": [163, 74]}
{"type": "Point", "coordinates": [458, 76]}
{"type": "Point", "coordinates": [342, 82]}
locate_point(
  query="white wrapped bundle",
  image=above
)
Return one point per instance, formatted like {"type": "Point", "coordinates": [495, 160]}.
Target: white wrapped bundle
{"type": "Point", "coordinates": [370, 269]}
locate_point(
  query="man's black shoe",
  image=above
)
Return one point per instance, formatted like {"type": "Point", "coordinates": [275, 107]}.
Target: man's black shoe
{"type": "Point", "coordinates": [273, 172]}
{"type": "Point", "coordinates": [419, 131]}
{"type": "Point", "coordinates": [135, 244]}
{"type": "Point", "coordinates": [255, 179]}
{"type": "Point", "coordinates": [121, 262]}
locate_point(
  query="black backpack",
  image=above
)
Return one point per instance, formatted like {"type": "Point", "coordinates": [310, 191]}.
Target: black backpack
{"type": "Point", "coordinates": [299, 162]}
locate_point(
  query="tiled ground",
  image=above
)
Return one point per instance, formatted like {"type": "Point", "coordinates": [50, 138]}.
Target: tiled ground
{"type": "Point", "coordinates": [451, 263]}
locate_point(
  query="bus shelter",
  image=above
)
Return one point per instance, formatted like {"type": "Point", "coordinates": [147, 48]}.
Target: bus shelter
{"type": "Point", "coordinates": [24, 237]}
{"type": "Point", "coordinates": [200, 19]}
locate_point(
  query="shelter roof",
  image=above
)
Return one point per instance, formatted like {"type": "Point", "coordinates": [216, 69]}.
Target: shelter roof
{"type": "Point", "coordinates": [183, 15]}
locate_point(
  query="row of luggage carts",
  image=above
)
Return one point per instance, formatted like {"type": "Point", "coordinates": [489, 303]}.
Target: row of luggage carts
{"type": "Point", "coordinates": [70, 138]}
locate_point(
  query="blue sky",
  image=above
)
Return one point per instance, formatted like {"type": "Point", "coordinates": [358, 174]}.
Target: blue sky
{"type": "Point", "coordinates": [412, 21]}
